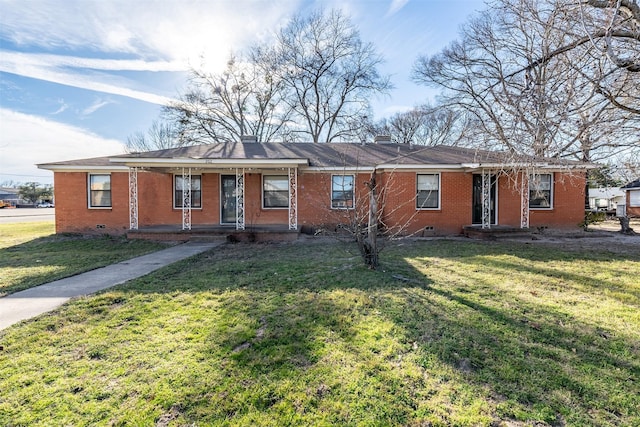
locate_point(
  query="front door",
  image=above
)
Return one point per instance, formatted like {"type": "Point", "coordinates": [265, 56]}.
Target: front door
{"type": "Point", "coordinates": [228, 199]}
{"type": "Point", "coordinates": [477, 199]}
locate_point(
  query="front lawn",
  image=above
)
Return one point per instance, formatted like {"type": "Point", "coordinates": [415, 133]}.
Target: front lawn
{"type": "Point", "coordinates": [447, 333]}
{"type": "Point", "coordinates": [30, 254]}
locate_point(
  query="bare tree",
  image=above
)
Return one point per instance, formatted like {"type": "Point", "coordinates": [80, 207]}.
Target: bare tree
{"type": "Point", "coordinates": [245, 99]}
{"type": "Point", "coordinates": [525, 90]}
{"type": "Point", "coordinates": [314, 81]}
{"type": "Point", "coordinates": [405, 126]}
{"type": "Point", "coordinates": [329, 72]}
{"type": "Point", "coordinates": [608, 32]}
{"type": "Point", "coordinates": [428, 125]}
{"type": "Point", "coordinates": [159, 136]}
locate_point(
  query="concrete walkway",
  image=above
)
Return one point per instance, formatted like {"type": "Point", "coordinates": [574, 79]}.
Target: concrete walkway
{"type": "Point", "coordinates": [35, 301]}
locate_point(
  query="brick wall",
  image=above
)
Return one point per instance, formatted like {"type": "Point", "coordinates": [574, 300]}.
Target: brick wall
{"type": "Point", "coordinates": [314, 200]}
{"type": "Point", "coordinates": [632, 211]}
{"type": "Point", "coordinates": [73, 213]}
{"type": "Point", "coordinates": [453, 213]}
{"type": "Point", "coordinates": [397, 194]}
{"type": "Point", "coordinates": [568, 203]}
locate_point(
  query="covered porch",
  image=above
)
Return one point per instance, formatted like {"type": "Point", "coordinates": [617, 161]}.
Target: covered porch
{"type": "Point", "coordinates": [236, 199]}
{"type": "Point", "coordinates": [485, 195]}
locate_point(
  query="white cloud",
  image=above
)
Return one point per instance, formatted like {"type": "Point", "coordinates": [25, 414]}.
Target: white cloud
{"type": "Point", "coordinates": [62, 61]}
{"type": "Point", "coordinates": [395, 6]}
{"type": "Point", "coordinates": [170, 30]}
{"type": "Point", "coordinates": [30, 66]}
{"type": "Point", "coordinates": [26, 140]}
{"type": "Point", "coordinates": [97, 104]}
{"type": "Point", "coordinates": [63, 107]}
{"type": "Point", "coordinates": [155, 36]}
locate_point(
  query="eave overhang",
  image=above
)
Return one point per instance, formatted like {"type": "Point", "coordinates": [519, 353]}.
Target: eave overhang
{"type": "Point", "coordinates": [418, 166]}
{"type": "Point", "coordinates": [82, 168]}
{"type": "Point", "coordinates": [472, 167]}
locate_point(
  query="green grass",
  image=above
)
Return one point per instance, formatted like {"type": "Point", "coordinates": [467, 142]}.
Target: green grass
{"type": "Point", "coordinates": [30, 254]}
{"type": "Point", "coordinates": [447, 333]}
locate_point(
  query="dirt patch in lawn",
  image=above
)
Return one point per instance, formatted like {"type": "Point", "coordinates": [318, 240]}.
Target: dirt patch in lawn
{"type": "Point", "coordinates": [603, 236]}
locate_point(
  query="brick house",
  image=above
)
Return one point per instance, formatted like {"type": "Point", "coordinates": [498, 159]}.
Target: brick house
{"type": "Point", "coordinates": [244, 185]}
{"type": "Point", "coordinates": [632, 198]}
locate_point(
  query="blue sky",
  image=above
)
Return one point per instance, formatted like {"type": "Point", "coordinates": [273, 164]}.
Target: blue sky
{"type": "Point", "coordinates": [77, 77]}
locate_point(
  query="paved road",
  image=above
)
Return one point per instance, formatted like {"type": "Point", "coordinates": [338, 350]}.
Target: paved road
{"type": "Point", "coordinates": [41, 299]}
{"type": "Point", "coordinates": [13, 215]}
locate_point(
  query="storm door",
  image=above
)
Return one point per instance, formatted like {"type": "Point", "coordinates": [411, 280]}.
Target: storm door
{"type": "Point", "coordinates": [477, 199]}
{"type": "Point", "coordinates": [228, 199]}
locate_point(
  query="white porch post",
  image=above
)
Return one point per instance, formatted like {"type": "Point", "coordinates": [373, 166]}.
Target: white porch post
{"type": "Point", "coordinates": [186, 198]}
{"type": "Point", "coordinates": [240, 199]}
{"type": "Point", "coordinates": [133, 198]}
{"type": "Point", "coordinates": [293, 198]}
{"type": "Point", "coordinates": [524, 200]}
{"type": "Point", "coordinates": [486, 199]}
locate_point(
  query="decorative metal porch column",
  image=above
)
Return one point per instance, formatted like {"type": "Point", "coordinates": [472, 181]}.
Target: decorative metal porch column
{"type": "Point", "coordinates": [186, 198]}
{"type": "Point", "coordinates": [524, 200]}
{"type": "Point", "coordinates": [239, 199]}
{"type": "Point", "coordinates": [133, 198]}
{"type": "Point", "coordinates": [293, 198]}
{"type": "Point", "coordinates": [486, 199]}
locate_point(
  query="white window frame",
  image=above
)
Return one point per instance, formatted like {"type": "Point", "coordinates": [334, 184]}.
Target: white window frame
{"type": "Point", "coordinates": [353, 192]}
{"type": "Point", "coordinates": [89, 204]}
{"type": "Point", "coordinates": [634, 198]}
{"type": "Point", "coordinates": [173, 188]}
{"type": "Point", "coordinates": [437, 208]}
{"type": "Point", "coordinates": [284, 178]}
{"type": "Point", "coordinates": [551, 185]}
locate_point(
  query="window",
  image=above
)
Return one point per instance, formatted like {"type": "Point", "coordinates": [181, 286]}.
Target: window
{"type": "Point", "coordinates": [540, 196]}
{"type": "Point", "coordinates": [634, 198]}
{"type": "Point", "coordinates": [428, 191]}
{"type": "Point", "coordinates": [99, 191]}
{"type": "Point", "coordinates": [275, 191]}
{"type": "Point", "coordinates": [180, 187]}
{"type": "Point", "coordinates": [342, 191]}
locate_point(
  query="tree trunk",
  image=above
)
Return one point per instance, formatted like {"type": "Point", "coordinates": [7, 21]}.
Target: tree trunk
{"type": "Point", "coordinates": [368, 243]}
{"type": "Point", "coordinates": [624, 226]}
{"type": "Point", "coordinates": [372, 229]}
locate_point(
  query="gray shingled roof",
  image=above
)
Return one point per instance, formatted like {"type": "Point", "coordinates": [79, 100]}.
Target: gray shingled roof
{"type": "Point", "coordinates": [632, 184]}
{"type": "Point", "coordinates": [318, 155]}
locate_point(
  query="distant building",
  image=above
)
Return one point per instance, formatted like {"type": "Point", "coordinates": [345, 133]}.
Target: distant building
{"type": "Point", "coordinates": [10, 195]}
{"type": "Point", "coordinates": [605, 198]}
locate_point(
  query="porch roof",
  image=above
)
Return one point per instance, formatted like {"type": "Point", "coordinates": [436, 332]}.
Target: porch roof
{"type": "Point", "coordinates": [632, 185]}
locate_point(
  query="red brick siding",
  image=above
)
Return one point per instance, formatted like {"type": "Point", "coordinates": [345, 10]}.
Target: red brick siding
{"type": "Point", "coordinates": [314, 200]}
{"type": "Point", "coordinates": [73, 213]}
{"type": "Point", "coordinates": [568, 203]}
{"type": "Point", "coordinates": [455, 203]}
{"type": "Point", "coordinates": [156, 200]}
{"type": "Point", "coordinates": [632, 211]}
{"type": "Point", "coordinates": [397, 189]}
{"type": "Point", "coordinates": [255, 214]}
